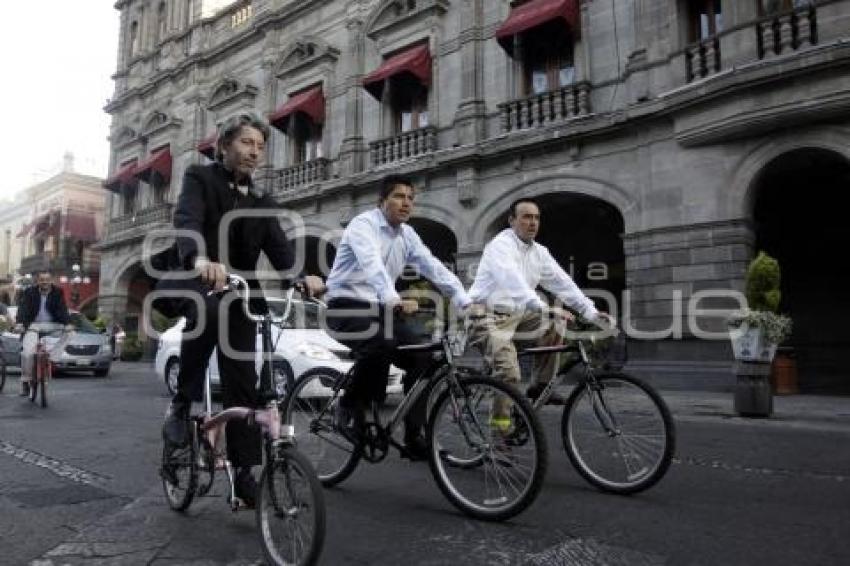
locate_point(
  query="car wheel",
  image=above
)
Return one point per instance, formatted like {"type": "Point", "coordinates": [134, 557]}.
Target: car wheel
{"type": "Point", "coordinates": [172, 368]}
{"type": "Point", "coordinates": [101, 372]}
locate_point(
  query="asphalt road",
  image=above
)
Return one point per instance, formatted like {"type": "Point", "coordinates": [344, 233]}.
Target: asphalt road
{"type": "Point", "coordinates": [78, 485]}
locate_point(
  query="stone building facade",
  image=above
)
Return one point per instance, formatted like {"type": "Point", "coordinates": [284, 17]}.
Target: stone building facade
{"type": "Point", "coordinates": [666, 140]}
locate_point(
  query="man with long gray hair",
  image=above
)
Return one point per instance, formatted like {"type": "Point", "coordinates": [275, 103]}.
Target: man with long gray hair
{"type": "Point", "coordinates": [210, 192]}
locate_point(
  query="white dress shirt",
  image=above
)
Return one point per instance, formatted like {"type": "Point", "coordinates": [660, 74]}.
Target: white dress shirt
{"type": "Point", "coordinates": [372, 255]}
{"type": "Point", "coordinates": [510, 271]}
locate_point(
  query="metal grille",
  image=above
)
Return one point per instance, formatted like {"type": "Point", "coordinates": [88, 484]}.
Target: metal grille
{"type": "Point", "coordinates": [82, 350]}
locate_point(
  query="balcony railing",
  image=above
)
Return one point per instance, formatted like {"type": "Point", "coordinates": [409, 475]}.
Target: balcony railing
{"type": "Point", "coordinates": [158, 214]}
{"type": "Point", "coordinates": [703, 59]}
{"type": "Point", "coordinates": [571, 101]}
{"type": "Point", "coordinates": [405, 146]}
{"type": "Point", "coordinates": [285, 182]}
{"type": "Point", "coordinates": [57, 265]}
{"type": "Point", "coordinates": [787, 32]}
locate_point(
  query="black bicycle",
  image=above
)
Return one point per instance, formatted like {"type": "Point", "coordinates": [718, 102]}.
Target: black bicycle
{"type": "Point", "coordinates": [510, 458]}
{"type": "Point", "coordinates": [616, 429]}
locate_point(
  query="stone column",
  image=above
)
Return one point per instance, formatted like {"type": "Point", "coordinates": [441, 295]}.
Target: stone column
{"type": "Point", "coordinates": [471, 113]}
{"type": "Point", "coordinates": [353, 150]}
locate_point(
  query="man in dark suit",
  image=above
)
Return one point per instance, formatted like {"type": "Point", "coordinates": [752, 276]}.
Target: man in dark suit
{"type": "Point", "coordinates": [209, 192]}
{"type": "Point", "coordinates": [41, 305]}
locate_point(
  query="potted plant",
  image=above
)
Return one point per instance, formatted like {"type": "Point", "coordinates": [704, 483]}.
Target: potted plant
{"type": "Point", "coordinates": [755, 333]}
{"type": "Point", "coordinates": [759, 329]}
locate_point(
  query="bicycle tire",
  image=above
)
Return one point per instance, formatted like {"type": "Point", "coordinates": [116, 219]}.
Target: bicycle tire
{"type": "Point", "coordinates": [183, 459]}
{"type": "Point", "coordinates": [516, 476]}
{"type": "Point", "coordinates": [310, 408]}
{"type": "Point", "coordinates": [2, 375]}
{"type": "Point", "coordinates": [280, 504]}
{"type": "Point", "coordinates": [633, 456]}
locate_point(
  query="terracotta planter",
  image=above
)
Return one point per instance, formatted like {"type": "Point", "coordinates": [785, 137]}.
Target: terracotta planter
{"type": "Point", "coordinates": [784, 373]}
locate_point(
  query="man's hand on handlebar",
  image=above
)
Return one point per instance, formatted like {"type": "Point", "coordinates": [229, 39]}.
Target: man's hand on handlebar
{"type": "Point", "coordinates": [405, 306]}
{"type": "Point", "coordinates": [604, 321]}
{"type": "Point", "coordinates": [313, 286]}
{"type": "Point", "coordinates": [211, 273]}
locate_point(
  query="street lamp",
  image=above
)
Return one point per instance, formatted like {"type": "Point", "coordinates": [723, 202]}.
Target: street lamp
{"type": "Point", "coordinates": [76, 280]}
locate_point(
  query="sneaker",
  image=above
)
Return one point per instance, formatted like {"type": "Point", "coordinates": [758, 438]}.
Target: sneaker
{"type": "Point", "coordinates": [415, 448]}
{"type": "Point", "coordinates": [534, 391]}
{"type": "Point", "coordinates": [245, 487]}
{"type": "Point", "coordinates": [175, 428]}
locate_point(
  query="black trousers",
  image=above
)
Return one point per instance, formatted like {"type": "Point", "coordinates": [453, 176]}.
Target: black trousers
{"type": "Point", "coordinates": [374, 351]}
{"type": "Point", "coordinates": [238, 377]}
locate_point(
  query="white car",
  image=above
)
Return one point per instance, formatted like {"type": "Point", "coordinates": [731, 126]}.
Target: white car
{"type": "Point", "coordinates": [301, 346]}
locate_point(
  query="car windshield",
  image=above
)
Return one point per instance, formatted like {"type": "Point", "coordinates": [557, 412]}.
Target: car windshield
{"type": "Point", "coordinates": [82, 324]}
{"type": "Point", "coordinates": [301, 315]}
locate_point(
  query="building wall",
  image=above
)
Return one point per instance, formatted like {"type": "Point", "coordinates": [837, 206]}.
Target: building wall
{"type": "Point", "coordinates": [672, 133]}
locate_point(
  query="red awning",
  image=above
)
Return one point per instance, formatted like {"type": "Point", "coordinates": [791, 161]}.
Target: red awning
{"type": "Point", "coordinates": [534, 13]}
{"type": "Point", "coordinates": [311, 102]}
{"type": "Point", "coordinates": [45, 225]}
{"type": "Point", "coordinates": [80, 226]}
{"type": "Point", "coordinates": [158, 164]}
{"type": "Point", "coordinates": [207, 146]}
{"type": "Point", "coordinates": [415, 61]}
{"type": "Point", "coordinates": [124, 176]}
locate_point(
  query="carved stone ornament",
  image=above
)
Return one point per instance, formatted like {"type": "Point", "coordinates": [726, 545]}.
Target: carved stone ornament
{"type": "Point", "coordinates": [305, 52]}
{"type": "Point", "coordinates": [392, 13]}
{"type": "Point", "coordinates": [230, 90]}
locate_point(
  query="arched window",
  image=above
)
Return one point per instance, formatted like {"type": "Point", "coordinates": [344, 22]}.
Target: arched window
{"type": "Point", "coordinates": [161, 22]}
{"type": "Point", "coordinates": [134, 39]}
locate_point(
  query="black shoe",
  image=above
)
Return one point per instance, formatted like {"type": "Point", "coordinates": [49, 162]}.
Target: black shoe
{"type": "Point", "coordinates": [25, 389]}
{"type": "Point", "coordinates": [175, 429]}
{"type": "Point", "coordinates": [245, 487]}
{"type": "Point", "coordinates": [534, 391]}
{"type": "Point", "coordinates": [415, 448]}
{"type": "Point", "coordinates": [348, 420]}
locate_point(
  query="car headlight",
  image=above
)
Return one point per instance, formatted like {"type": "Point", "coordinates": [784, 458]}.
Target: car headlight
{"type": "Point", "coordinates": [105, 349]}
{"type": "Point", "coordinates": [314, 351]}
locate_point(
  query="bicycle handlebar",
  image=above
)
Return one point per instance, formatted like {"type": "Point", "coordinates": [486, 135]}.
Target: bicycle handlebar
{"type": "Point", "coordinates": [240, 286]}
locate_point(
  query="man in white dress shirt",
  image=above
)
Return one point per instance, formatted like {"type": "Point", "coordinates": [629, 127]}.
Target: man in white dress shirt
{"type": "Point", "coordinates": [362, 302]}
{"type": "Point", "coordinates": [506, 306]}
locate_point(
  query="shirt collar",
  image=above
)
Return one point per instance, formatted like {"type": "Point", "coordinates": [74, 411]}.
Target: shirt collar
{"type": "Point", "coordinates": [519, 243]}
{"type": "Point", "coordinates": [384, 224]}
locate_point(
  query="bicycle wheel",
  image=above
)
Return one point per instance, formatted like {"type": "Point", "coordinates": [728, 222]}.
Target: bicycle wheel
{"type": "Point", "coordinates": [619, 436]}
{"type": "Point", "coordinates": [290, 510]}
{"type": "Point", "coordinates": [205, 462]}
{"type": "Point", "coordinates": [2, 375]}
{"type": "Point", "coordinates": [509, 465]}
{"type": "Point", "coordinates": [180, 473]}
{"type": "Point", "coordinates": [311, 408]}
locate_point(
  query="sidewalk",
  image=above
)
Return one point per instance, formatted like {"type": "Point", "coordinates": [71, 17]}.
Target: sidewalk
{"type": "Point", "coordinates": [815, 412]}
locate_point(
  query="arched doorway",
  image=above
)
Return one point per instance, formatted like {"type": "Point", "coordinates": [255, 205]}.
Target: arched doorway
{"type": "Point", "coordinates": [800, 204]}
{"type": "Point", "coordinates": [131, 315]}
{"type": "Point", "coordinates": [319, 256]}
{"type": "Point", "coordinates": [585, 236]}
{"type": "Point", "coordinates": [438, 237]}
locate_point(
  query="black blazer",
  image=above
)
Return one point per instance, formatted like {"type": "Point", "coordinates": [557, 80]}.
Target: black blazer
{"type": "Point", "coordinates": [31, 302]}
{"type": "Point", "coordinates": [206, 196]}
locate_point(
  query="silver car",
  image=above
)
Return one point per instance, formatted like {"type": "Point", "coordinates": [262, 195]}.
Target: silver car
{"type": "Point", "coordinates": [86, 349]}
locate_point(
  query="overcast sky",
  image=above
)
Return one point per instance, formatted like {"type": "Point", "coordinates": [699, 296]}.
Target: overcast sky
{"type": "Point", "coordinates": [56, 57]}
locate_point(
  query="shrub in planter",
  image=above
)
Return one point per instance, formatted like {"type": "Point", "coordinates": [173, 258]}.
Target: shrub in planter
{"type": "Point", "coordinates": [132, 348]}
{"type": "Point", "coordinates": [758, 330]}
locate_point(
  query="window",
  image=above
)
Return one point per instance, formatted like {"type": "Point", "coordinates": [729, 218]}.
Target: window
{"type": "Point", "coordinates": [409, 103]}
{"type": "Point", "coordinates": [771, 7]}
{"type": "Point", "coordinates": [129, 198]}
{"type": "Point", "coordinates": [705, 19]}
{"type": "Point", "coordinates": [161, 22]}
{"type": "Point", "coordinates": [547, 59]}
{"type": "Point", "coordinates": [306, 139]}
{"type": "Point", "coordinates": [134, 39]}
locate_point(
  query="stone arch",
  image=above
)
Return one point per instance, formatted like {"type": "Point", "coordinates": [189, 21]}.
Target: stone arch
{"type": "Point", "coordinates": [319, 243]}
{"type": "Point", "coordinates": [440, 214]}
{"type": "Point", "coordinates": [742, 181]}
{"type": "Point", "coordinates": [125, 135]}
{"type": "Point", "coordinates": [626, 204]}
{"type": "Point", "coordinates": [229, 89]}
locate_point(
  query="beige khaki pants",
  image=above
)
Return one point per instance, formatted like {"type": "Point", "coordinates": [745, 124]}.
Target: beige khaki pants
{"type": "Point", "coordinates": [496, 334]}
